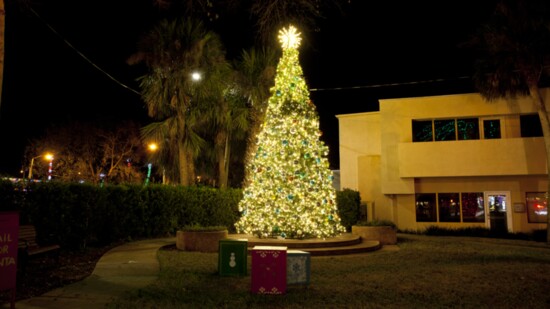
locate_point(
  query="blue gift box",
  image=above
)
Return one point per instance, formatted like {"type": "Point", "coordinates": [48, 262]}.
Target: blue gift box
{"type": "Point", "coordinates": [297, 267]}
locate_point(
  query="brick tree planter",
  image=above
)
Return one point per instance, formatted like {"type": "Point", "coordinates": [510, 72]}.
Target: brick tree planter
{"type": "Point", "coordinates": [386, 235]}
{"type": "Point", "coordinates": [203, 241]}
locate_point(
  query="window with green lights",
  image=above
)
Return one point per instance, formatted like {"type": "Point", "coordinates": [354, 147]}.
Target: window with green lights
{"type": "Point", "coordinates": [445, 129]}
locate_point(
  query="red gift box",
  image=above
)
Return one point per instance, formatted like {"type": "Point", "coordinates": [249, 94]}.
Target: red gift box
{"type": "Point", "coordinates": [268, 270]}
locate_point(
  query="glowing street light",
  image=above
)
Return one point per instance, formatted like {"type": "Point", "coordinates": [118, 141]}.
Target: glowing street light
{"type": "Point", "coordinates": [47, 156]}
{"type": "Point", "coordinates": [154, 147]}
{"type": "Point", "coordinates": [196, 76]}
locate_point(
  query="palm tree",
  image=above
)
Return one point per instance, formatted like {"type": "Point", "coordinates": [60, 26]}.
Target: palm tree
{"type": "Point", "coordinates": [514, 58]}
{"type": "Point", "coordinates": [267, 16]}
{"type": "Point", "coordinates": [255, 76]}
{"type": "Point", "coordinates": [272, 15]}
{"type": "Point", "coordinates": [222, 117]}
{"type": "Point", "coordinates": [172, 51]}
{"type": "Point", "coordinates": [233, 126]}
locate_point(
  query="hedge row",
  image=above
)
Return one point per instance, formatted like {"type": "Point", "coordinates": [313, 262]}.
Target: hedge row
{"type": "Point", "coordinates": [78, 215]}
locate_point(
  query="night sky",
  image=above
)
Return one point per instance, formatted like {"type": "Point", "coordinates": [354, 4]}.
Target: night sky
{"type": "Point", "coordinates": [376, 50]}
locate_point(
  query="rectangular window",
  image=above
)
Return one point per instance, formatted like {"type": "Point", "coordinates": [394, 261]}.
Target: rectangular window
{"type": "Point", "coordinates": [425, 207]}
{"type": "Point", "coordinates": [422, 131]}
{"type": "Point", "coordinates": [467, 129]}
{"type": "Point", "coordinates": [473, 209]}
{"type": "Point", "coordinates": [491, 128]}
{"type": "Point", "coordinates": [530, 125]}
{"type": "Point", "coordinates": [445, 130]}
{"type": "Point", "coordinates": [449, 207]}
{"type": "Point", "coordinates": [537, 207]}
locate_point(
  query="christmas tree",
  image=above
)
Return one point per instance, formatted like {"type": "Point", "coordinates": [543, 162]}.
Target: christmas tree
{"type": "Point", "coordinates": [289, 193]}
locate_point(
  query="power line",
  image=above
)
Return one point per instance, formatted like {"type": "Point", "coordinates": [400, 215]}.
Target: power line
{"type": "Point", "coordinates": [81, 54]}
{"type": "Point", "coordinates": [438, 80]}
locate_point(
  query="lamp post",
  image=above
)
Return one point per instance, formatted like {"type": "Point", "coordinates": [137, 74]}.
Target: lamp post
{"type": "Point", "coordinates": [152, 148]}
{"type": "Point", "coordinates": [48, 156]}
{"type": "Point", "coordinates": [50, 168]}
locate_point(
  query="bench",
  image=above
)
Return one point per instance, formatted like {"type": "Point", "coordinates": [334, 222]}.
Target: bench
{"type": "Point", "coordinates": [28, 247]}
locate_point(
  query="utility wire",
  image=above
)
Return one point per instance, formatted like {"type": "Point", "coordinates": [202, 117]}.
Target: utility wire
{"type": "Point", "coordinates": [82, 55]}
{"type": "Point", "coordinates": [438, 80]}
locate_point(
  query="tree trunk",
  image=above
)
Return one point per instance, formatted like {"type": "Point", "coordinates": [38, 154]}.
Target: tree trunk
{"type": "Point", "coordinates": [545, 124]}
{"type": "Point", "coordinates": [222, 156]}
{"type": "Point", "coordinates": [183, 164]}
{"type": "Point", "coordinates": [191, 176]}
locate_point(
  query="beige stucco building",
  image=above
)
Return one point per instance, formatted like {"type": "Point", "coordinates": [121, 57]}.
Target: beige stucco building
{"type": "Point", "coordinates": [451, 161]}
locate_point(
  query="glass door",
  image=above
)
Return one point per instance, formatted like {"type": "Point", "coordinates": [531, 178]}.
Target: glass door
{"type": "Point", "coordinates": [497, 208]}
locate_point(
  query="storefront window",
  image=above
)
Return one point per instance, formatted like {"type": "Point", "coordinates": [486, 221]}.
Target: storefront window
{"type": "Point", "coordinates": [449, 207]}
{"type": "Point", "coordinates": [537, 207]}
{"type": "Point", "coordinates": [425, 207]}
{"type": "Point", "coordinates": [472, 207]}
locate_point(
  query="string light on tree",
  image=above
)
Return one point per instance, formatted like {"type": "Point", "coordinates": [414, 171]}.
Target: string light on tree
{"type": "Point", "coordinates": [289, 192]}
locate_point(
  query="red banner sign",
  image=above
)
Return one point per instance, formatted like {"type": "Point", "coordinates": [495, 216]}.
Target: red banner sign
{"type": "Point", "coordinates": [9, 234]}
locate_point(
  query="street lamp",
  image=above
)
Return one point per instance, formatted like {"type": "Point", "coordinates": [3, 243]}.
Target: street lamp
{"type": "Point", "coordinates": [196, 76]}
{"type": "Point", "coordinates": [154, 147]}
{"type": "Point", "coordinates": [47, 156]}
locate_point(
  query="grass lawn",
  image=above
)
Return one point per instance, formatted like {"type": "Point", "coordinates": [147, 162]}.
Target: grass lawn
{"type": "Point", "coordinates": [418, 272]}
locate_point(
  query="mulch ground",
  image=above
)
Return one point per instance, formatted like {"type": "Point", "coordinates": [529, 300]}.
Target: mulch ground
{"type": "Point", "coordinates": [45, 273]}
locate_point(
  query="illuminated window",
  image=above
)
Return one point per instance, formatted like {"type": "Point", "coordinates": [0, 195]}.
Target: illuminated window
{"type": "Point", "coordinates": [425, 207]}
{"type": "Point", "coordinates": [537, 207]}
{"type": "Point", "coordinates": [491, 129]}
{"type": "Point", "coordinates": [473, 209]}
{"type": "Point", "coordinates": [445, 130]}
{"type": "Point", "coordinates": [467, 128]}
{"type": "Point", "coordinates": [449, 207]}
{"type": "Point", "coordinates": [422, 131]}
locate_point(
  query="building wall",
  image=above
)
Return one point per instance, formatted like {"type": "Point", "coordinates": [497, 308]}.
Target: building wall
{"type": "Point", "coordinates": [379, 159]}
{"type": "Point", "coordinates": [359, 137]}
{"type": "Point", "coordinates": [396, 115]}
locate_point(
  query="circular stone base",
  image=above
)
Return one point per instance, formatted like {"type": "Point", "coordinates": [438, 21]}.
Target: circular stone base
{"type": "Point", "coordinates": [203, 241]}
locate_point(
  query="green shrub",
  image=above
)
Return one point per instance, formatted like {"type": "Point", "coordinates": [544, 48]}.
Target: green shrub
{"type": "Point", "coordinates": [377, 223]}
{"type": "Point", "coordinates": [200, 228]}
{"type": "Point", "coordinates": [484, 232]}
{"type": "Point", "coordinates": [79, 215]}
{"type": "Point", "coordinates": [349, 203]}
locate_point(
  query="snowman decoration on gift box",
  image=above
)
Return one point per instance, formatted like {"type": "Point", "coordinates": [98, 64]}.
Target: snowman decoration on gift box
{"type": "Point", "coordinates": [232, 262]}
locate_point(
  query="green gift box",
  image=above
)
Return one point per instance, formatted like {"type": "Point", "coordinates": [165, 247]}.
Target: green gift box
{"type": "Point", "coordinates": [232, 257]}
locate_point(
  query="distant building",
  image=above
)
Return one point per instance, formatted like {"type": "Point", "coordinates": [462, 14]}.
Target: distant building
{"type": "Point", "coordinates": [451, 161]}
{"type": "Point", "coordinates": [336, 180]}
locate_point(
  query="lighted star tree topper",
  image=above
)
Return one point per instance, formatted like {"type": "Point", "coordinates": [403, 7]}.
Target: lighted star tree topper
{"type": "Point", "coordinates": [289, 193]}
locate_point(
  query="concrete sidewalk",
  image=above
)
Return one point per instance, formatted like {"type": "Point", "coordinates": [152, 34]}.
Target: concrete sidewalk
{"type": "Point", "coordinates": [130, 266]}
